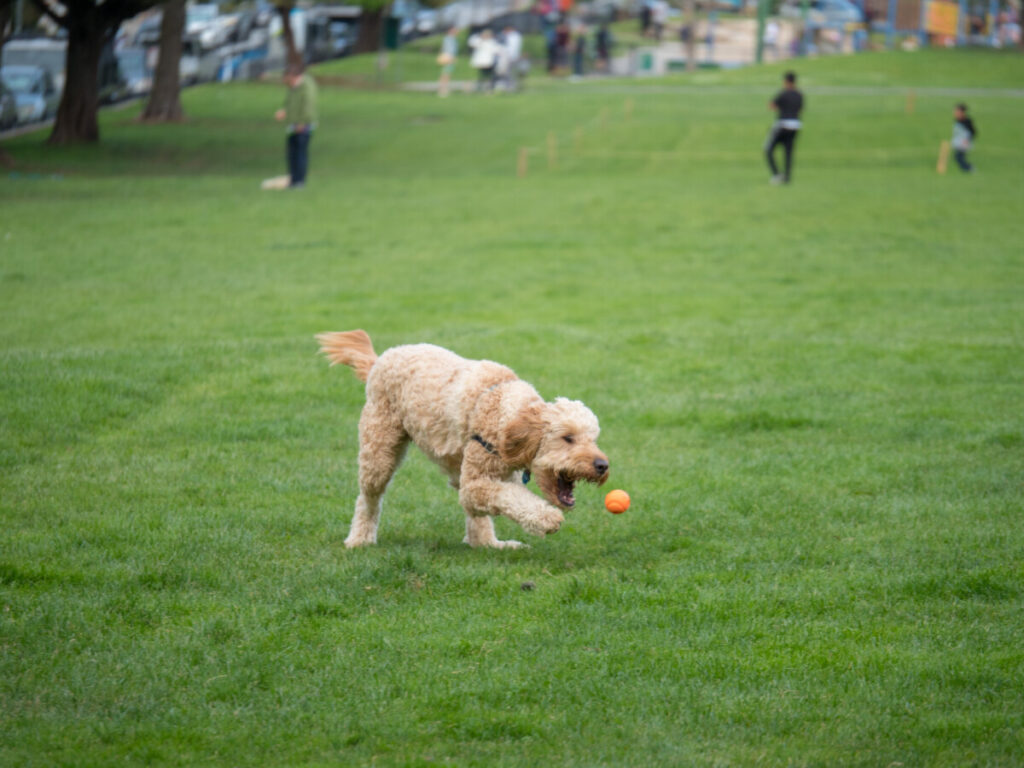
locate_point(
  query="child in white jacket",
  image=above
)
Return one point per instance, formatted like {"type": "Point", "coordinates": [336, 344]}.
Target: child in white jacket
{"type": "Point", "coordinates": [484, 60]}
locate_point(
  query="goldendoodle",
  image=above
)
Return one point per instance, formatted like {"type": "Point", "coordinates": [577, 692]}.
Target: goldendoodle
{"type": "Point", "coordinates": [487, 429]}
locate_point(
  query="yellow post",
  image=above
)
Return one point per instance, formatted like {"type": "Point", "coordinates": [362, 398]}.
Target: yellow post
{"type": "Point", "coordinates": [522, 162]}
{"type": "Point", "coordinates": [577, 140]}
{"type": "Point", "coordinates": [629, 108]}
{"type": "Point", "coordinates": [911, 96]}
{"type": "Point", "coordinates": [943, 157]}
{"type": "Point", "coordinates": [552, 150]}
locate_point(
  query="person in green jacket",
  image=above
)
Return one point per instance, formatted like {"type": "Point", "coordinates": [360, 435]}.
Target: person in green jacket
{"type": "Point", "coordinates": [300, 114]}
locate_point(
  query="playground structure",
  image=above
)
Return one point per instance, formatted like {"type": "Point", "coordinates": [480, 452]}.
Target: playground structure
{"type": "Point", "coordinates": [947, 22]}
{"type": "Point", "coordinates": [822, 27]}
{"type": "Point", "coordinates": [993, 23]}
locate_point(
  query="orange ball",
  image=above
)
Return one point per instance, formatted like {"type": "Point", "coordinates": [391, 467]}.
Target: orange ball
{"type": "Point", "coordinates": [616, 502]}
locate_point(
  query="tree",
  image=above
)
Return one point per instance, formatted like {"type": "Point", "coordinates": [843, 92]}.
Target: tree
{"type": "Point", "coordinates": [164, 103]}
{"type": "Point", "coordinates": [91, 25]}
{"type": "Point", "coordinates": [370, 22]}
{"type": "Point", "coordinates": [691, 40]}
{"type": "Point", "coordinates": [5, 17]}
{"type": "Point", "coordinates": [293, 58]}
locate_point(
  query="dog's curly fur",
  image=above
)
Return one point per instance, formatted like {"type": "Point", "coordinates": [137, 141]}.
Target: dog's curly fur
{"type": "Point", "coordinates": [479, 422]}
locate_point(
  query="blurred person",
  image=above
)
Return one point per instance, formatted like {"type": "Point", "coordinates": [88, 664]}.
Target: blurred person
{"type": "Point", "coordinates": [659, 15]}
{"type": "Point", "coordinates": [771, 37]}
{"type": "Point", "coordinates": [551, 47]}
{"type": "Point", "coordinates": [603, 47]}
{"type": "Point", "coordinates": [1008, 27]}
{"type": "Point", "coordinates": [579, 52]}
{"type": "Point", "coordinates": [512, 44]}
{"type": "Point", "coordinates": [446, 59]}
{"type": "Point", "coordinates": [645, 18]}
{"type": "Point", "coordinates": [562, 36]}
{"type": "Point", "coordinates": [788, 104]}
{"type": "Point", "coordinates": [300, 114]}
{"type": "Point", "coordinates": [964, 134]}
{"type": "Point", "coordinates": [484, 59]}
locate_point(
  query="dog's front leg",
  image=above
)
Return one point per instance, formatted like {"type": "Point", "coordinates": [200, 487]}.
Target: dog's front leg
{"type": "Point", "coordinates": [490, 496]}
{"type": "Point", "coordinates": [488, 487]}
{"type": "Point", "coordinates": [480, 533]}
{"type": "Point", "coordinates": [514, 501]}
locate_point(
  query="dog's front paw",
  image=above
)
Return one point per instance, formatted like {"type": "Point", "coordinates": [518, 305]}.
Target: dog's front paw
{"type": "Point", "coordinates": [545, 521]}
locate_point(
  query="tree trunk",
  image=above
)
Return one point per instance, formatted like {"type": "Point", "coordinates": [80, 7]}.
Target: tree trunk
{"type": "Point", "coordinates": [293, 57]}
{"type": "Point", "coordinates": [165, 99]}
{"type": "Point", "coordinates": [5, 16]}
{"type": "Point", "coordinates": [370, 24]}
{"type": "Point", "coordinates": [76, 116]}
{"type": "Point", "coordinates": [691, 42]}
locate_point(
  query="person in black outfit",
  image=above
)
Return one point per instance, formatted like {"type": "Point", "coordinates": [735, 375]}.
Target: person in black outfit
{"type": "Point", "coordinates": [964, 134]}
{"type": "Point", "coordinates": [788, 104]}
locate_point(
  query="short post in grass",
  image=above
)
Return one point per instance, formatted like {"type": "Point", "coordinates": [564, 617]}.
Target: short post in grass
{"type": "Point", "coordinates": [604, 118]}
{"type": "Point", "coordinates": [911, 98]}
{"type": "Point", "coordinates": [552, 150]}
{"type": "Point", "coordinates": [522, 162]}
{"type": "Point", "coordinates": [577, 140]}
{"type": "Point", "coordinates": [940, 166]}
{"type": "Point", "coordinates": [629, 109]}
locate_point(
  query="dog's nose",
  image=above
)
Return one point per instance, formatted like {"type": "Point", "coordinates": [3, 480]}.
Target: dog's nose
{"type": "Point", "coordinates": [601, 465]}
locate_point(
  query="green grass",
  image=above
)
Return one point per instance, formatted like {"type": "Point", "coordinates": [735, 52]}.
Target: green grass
{"type": "Point", "coordinates": [812, 393]}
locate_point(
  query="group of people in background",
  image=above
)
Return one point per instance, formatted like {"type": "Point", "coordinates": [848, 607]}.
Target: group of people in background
{"type": "Point", "coordinates": [497, 59]}
{"type": "Point", "coordinates": [569, 48]}
{"type": "Point", "coordinates": [653, 17]}
{"type": "Point", "coordinates": [499, 62]}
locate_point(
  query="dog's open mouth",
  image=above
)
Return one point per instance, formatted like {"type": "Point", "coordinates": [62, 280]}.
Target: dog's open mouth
{"type": "Point", "coordinates": [564, 490]}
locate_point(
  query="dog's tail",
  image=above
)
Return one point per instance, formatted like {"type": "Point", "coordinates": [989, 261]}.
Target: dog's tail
{"type": "Point", "coordinates": [353, 348]}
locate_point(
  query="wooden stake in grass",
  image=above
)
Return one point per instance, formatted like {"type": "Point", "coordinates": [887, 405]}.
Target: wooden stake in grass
{"type": "Point", "coordinates": [911, 97]}
{"type": "Point", "coordinates": [577, 140]}
{"type": "Point", "coordinates": [604, 118]}
{"type": "Point", "coordinates": [629, 109]}
{"type": "Point", "coordinates": [522, 162]}
{"type": "Point", "coordinates": [943, 157]}
{"type": "Point", "coordinates": [552, 150]}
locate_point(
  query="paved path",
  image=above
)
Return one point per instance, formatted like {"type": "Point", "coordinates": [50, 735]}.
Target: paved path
{"type": "Point", "coordinates": [627, 85]}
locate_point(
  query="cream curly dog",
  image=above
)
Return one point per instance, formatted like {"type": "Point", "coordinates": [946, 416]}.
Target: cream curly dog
{"type": "Point", "coordinates": [486, 428]}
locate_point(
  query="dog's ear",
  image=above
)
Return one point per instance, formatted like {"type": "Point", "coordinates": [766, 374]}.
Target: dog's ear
{"type": "Point", "coordinates": [522, 437]}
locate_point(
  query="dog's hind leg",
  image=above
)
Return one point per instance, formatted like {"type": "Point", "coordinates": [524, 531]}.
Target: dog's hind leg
{"type": "Point", "coordinates": [382, 446]}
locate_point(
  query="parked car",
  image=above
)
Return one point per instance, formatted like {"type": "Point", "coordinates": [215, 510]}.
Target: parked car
{"type": "Point", "coordinates": [37, 51]}
{"type": "Point", "coordinates": [34, 91]}
{"type": "Point", "coordinates": [136, 70]}
{"type": "Point", "coordinates": [205, 23]}
{"type": "Point", "coordinates": [426, 21]}
{"type": "Point", "coordinates": [326, 38]}
{"type": "Point", "coordinates": [8, 108]}
{"type": "Point", "coordinates": [110, 85]}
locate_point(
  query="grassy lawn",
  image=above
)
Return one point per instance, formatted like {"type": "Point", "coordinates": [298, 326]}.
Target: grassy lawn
{"type": "Point", "coordinates": [812, 393]}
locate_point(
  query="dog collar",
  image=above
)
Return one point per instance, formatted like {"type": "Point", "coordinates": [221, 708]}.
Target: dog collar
{"type": "Point", "coordinates": [489, 447]}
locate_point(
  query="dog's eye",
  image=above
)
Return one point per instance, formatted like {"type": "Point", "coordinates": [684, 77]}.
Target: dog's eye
{"type": "Point", "coordinates": [569, 439]}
